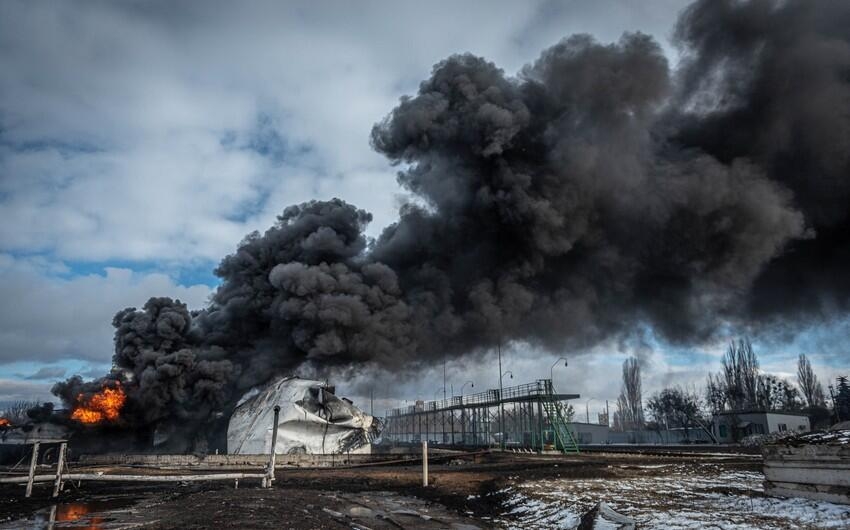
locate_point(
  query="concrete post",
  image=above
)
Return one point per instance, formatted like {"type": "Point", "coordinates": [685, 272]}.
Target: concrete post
{"type": "Point", "coordinates": [425, 463]}
{"type": "Point", "coordinates": [33, 463]}
{"type": "Point", "coordinates": [270, 470]}
{"type": "Point", "coordinates": [57, 486]}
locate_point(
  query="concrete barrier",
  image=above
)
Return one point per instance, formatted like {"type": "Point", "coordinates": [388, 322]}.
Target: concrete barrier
{"type": "Point", "coordinates": [253, 461]}
{"type": "Point", "coordinates": [820, 472]}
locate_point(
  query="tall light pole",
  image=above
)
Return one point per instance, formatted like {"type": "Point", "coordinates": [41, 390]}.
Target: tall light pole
{"type": "Point", "coordinates": [444, 379]}
{"type": "Point", "coordinates": [463, 414]}
{"type": "Point", "coordinates": [587, 409]}
{"type": "Point", "coordinates": [501, 405]}
{"type": "Point", "coordinates": [552, 369]}
{"type": "Point", "coordinates": [502, 410]}
{"type": "Point", "coordinates": [442, 417]}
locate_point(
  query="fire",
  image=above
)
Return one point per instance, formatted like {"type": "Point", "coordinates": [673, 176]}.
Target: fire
{"type": "Point", "coordinates": [5, 423]}
{"type": "Point", "coordinates": [105, 405]}
{"type": "Point", "coordinates": [78, 515]}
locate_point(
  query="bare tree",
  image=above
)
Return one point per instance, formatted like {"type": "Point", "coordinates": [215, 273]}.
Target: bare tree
{"type": "Point", "coordinates": [619, 423]}
{"type": "Point", "coordinates": [776, 394]}
{"type": "Point", "coordinates": [740, 375]}
{"type": "Point", "coordinates": [677, 407]}
{"type": "Point", "coordinates": [808, 382]}
{"type": "Point", "coordinates": [631, 395]}
{"type": "Point", "coordinates": [16, 412]}
{"type": "Point", "coordinates": [715, 393]}
{"type": "Point", "coordinates": [841, 398]}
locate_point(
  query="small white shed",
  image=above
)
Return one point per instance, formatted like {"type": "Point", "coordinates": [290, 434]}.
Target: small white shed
{"type": "Point", "coordinates": [732, 426]}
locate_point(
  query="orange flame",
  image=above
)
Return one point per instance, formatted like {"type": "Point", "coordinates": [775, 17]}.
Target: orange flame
{"type": "Point", "coordinates": [105, 405]}
{"type": "Point", "coordinates": [78, 514]}
{"type": "Point", "coordinates": [5, 423]}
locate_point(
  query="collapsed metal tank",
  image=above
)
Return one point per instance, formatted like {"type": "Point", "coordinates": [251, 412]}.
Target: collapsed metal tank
{"type": "Point", "coordinates": [312, 421]}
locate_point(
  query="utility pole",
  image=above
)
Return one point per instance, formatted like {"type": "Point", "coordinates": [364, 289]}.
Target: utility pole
{"type": "Point", "coordinates": [443, 414]}
{"type": "Point", "coordinates": [501, 403]}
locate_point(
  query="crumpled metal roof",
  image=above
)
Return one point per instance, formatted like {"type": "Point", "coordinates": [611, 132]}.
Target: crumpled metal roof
{"type": "Point", "coordinates": [312, 420]}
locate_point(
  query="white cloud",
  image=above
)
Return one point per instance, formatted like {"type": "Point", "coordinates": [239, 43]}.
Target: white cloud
{"type": "Point", "coordinates": [44, 317]}
{"type": "Point", "coordinates": [45, 373]}
{"type": "Point", "coordinates": [112, 115]}
{"type": "Point", "coordinates": [12, 390]}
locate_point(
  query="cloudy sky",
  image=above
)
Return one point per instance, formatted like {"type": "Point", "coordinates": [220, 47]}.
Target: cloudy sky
{"type": "Point", "coordinates": [140, 141]}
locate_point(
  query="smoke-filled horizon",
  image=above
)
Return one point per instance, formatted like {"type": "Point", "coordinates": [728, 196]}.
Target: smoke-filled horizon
{"type": "Point", "coordinates": [592, 193]}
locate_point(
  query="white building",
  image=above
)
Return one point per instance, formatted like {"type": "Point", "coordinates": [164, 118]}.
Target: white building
{"type": "Point", "coordinates": [732, 426]}
{"type": "Point", "coordinates": [589, 433]}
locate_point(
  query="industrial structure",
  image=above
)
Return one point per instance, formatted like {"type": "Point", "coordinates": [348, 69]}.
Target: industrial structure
{"type": "Point", "coordinates": [529, 416]}
{"type": "Point", "coordinates": [311, 420]}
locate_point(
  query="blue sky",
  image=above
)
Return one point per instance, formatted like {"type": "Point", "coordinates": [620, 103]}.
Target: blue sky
{"type": "Point", "coordinates": [139, 142]}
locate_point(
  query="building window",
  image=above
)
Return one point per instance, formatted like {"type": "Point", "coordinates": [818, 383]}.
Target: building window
{"type": "Point", "coordinates": [723, 431]}
{"type": "Point", "coordinates": [782, 427]}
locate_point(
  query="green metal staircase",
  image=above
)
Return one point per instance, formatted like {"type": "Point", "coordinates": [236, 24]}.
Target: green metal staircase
{"type": "Point", "coordinates": [564, 439]}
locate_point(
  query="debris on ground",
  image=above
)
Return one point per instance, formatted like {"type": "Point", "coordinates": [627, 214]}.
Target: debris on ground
{"type": "Point", "coordinates": [831, 437]}
{"type": "Point", "coordinates": [603, 517]}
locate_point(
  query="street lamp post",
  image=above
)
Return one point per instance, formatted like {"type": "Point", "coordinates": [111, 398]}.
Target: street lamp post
{"type": "Point", "coordinates": [552, 369]}
{"type": "Point", "coordinates": [463, 413]}
{"type": "Point", "coordinates": [442, 427]}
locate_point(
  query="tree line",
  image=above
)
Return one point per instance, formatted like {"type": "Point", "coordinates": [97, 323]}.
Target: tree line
{"type": "Point", "coordinates": [739, 386]}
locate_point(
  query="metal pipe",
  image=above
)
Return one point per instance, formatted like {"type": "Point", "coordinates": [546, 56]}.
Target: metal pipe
{"type": "Point", "coordinates": [134, 478]}
{"type": "Point", "coordinates": [540, 424]}
{"type": "Point", "coordinates": [270, 471]}
{"type": "Point", "coordinates": [502, 403]}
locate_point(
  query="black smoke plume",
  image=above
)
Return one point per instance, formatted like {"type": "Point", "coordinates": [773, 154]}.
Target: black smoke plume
{"type": "Point", "coordinates": [593, 193]}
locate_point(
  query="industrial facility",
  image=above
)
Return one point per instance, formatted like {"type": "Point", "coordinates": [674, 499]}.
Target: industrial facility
{"type": "Point", "coordinates": [529, 416]}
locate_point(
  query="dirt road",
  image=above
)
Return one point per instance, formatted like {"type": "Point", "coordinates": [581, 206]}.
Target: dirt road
{"type": "Point", "coordinates": [463, 494]}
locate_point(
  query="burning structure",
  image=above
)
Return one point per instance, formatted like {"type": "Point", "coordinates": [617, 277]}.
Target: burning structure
{"type": "Point", "coordinates": [101, 406]}
{"type": "Point", "coordinates": [312, 421]}
{"type": "Point", "coordinates": [593, 196]}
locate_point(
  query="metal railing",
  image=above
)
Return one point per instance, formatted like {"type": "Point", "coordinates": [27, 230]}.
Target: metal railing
{"type": "Point", "coordinates": [538, 389]}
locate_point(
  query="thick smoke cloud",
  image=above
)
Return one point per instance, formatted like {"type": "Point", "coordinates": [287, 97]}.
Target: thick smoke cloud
{"type": "Point", "coordinates": [592, 194]}
{"type": "Point", "coordinates": [553, 215]}
{"type": "Point", "coordinates": [769, 82]}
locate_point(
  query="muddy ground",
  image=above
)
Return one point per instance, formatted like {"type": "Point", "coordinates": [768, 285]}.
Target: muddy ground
{"type": "Point", "coordinates": [464, 493]}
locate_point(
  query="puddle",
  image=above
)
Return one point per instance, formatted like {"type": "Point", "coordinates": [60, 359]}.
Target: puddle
{"type": "Point", "coordinates": [90, 515]}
